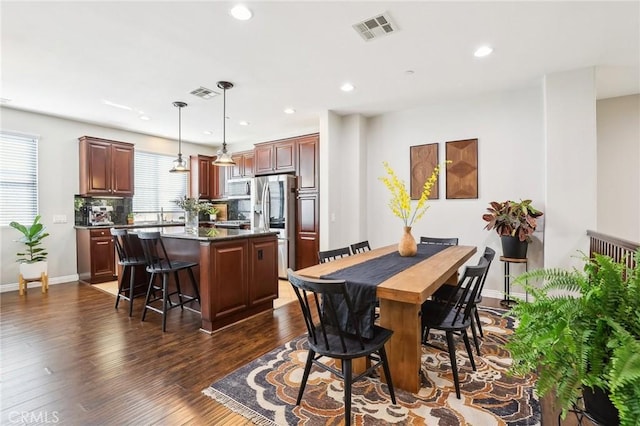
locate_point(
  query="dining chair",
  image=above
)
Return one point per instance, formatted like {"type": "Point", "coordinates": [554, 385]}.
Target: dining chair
{"type": "Point", "coordinates": [329, 255]}
{"type": "Point", "coordinates": [454, 316]}
{"type": "Point", "coordinates": [158, 263]}
{"type": "Point", "coordinates": [129, 262]}
{"type": "Point", "coordinates": [360, 247]}
{"type": "Point", "coordinates": [439, 241]}
{"type": "Point", "coordinates": [327, 336]}
{"type": "Point", "coordinates": [444, 293]}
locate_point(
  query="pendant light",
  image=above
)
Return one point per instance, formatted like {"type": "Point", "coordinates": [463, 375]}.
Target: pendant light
{"type": "Point", "coordinates": [179, 164]}
{"type": "Point", "coordinates": [224, 158]}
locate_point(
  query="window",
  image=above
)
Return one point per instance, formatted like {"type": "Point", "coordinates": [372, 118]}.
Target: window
{"type": "Point", "coordinates": [18, 178]}
{"type": "Point", "coordinates": [155, 187]}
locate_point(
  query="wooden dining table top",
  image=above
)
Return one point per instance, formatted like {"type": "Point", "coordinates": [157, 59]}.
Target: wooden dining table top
{"type": "Point", "coordinates": [414, 284]}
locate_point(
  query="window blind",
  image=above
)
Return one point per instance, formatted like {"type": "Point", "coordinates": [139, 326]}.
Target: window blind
{"type": "Point", "coordinates": [18, 178]}
{"type": "Point", "coordinates": [155, 187]}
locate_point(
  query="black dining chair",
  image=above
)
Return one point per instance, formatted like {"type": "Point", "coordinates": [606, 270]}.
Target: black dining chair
{"type": "Point", "coordinates": [326, 335]}
{"type": "Point", "coordinates": [129, 262]}
{"type": "Point", "coordinates": [444, 293]}
{"type": "Point", "coordinates": [454, 316]}
{"type": "Point", "coordinates": [360, 247]}
{"type": "Point", "coordinates": [159, 264]}
{"type": "Point", "coordinates": [329, 255]}
{"type": "Point", "coordinates": [439, 241]}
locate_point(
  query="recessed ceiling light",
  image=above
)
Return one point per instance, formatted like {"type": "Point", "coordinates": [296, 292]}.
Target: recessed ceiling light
{"type": "Point", "coordinates": [243, 123]}
{"type": "Point", "coordinates": [289, 111]}
{"type": "Point", "coordinates": [144, 117]}
{"type": "Point", "coordinates": [483, 51]}
{"type": "Point", "coordinates": [241, 12]}
{"type": "Point", "coordinates": [208, 132]}
{"type": "Point", "coordinates": [115, 105]}
{"type": "Point", "coordinates": [4, 100]}
{"type": "Point", "coordinates": [347, 87]}
{"type": "Point", "coordinates": [409, 72]}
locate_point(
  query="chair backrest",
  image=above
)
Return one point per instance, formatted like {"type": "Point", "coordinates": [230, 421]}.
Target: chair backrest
{"type": "Point", "coordinates": [488, 255]}
{"type": "Point", "coordinates": [439, 241]}
{"type": "Point", "coordinates": [360, 247]}
{"type": "Point", "coordinates": [466, 289]}
{"type": "Point", "coordinates": [328, 255]}
{"type": "Point", "coordinates": [324, 297]}
{"type": "Point", "coordinates": [123, 243]}
{"type": "Point", "coordinates": [154, 252]}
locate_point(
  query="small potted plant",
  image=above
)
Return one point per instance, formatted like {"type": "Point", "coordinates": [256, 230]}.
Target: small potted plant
{"type": "Point", "coordinates": [213, 213]}
{"type": "Point", "coordinates": [130, 218]}
{"type": "Point", "coordinates": [581, 335]}
{"type": "Point", "coordinates": [33, 260]}
{"type": "Point", "coordinates": [514, 222]}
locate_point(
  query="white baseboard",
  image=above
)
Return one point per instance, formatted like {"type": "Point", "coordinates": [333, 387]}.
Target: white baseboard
{"type": "Point", "coordinates": [495, 294]}
{"type": "Point", "coordinates": [33, 284]}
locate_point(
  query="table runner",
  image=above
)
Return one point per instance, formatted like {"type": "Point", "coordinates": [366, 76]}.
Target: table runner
{"type": "Point", "coordinates": [363, 278]}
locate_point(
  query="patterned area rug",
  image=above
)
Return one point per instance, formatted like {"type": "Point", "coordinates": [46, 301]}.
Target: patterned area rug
{"type": "Point", "coordinates": [266, 389]}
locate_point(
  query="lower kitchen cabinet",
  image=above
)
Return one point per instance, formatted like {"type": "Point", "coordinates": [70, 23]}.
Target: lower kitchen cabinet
{"type": "Point", "coordinates": [95, 255]}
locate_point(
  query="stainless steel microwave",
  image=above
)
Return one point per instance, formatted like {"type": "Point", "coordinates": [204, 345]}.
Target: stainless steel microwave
{"type": "Point", "coordinates": [239, 188]}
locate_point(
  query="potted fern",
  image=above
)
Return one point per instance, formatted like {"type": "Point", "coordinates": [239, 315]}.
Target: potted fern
{"type": "Point", "coordinates": [33, 260]}
{"type": "Point", "coordinates": [581, 334]}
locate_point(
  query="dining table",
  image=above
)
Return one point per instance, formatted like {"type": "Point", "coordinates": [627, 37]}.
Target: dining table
{"type": "Point", "coordinates": [401, 296]}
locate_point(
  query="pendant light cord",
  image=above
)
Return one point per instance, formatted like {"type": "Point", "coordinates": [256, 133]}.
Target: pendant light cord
{"type": "Point", "coordinates": [224, 120]}
{"type": "Point", "coordinates": [179, 131]}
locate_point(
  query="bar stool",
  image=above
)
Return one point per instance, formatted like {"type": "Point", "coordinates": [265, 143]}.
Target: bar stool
{"type": "Point", "coordinates": [129, 261]}
{"type": "Point", "coordinates": [158, 263]}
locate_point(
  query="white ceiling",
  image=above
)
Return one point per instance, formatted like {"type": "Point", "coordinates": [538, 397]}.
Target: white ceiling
{"type": "Point", "coordinates": [65, 58]}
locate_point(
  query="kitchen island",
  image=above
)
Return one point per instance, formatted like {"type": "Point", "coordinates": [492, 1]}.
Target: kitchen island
{"type": "Point", "coordinates": [237, 270]}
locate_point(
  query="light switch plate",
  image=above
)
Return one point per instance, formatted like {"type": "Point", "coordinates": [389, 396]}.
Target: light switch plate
{"type": "Point", "coordinates": [59, 218]}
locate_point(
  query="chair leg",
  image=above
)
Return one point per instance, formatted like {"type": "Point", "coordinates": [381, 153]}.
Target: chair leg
{"type": "Point", "coordinates": [124, 271]}
{"type": "Point", "coordinates": [478, 323]}
{"type": "Point", "coordinates": [165, 292]}
{"type": "Point", "coordinates": [132, 277]}
{"type": "Point", "coordinates": [146, 299]}
{"type": "Point", "coordinates": [465, 338]}
{"type": "Point", "coordinates": [346, 367]}
{"type": "Point", "coordinates": [387, 374]}
{"type": "Point", "coordinates": [193, 283]}
{"type": "Point", "coordinates": [22, 285]}
{"type": "Point", "coordinates": [181, 302]}
{"type": "Point", "coordinates": [454, 365]}
{"type": "Point", "coordinates": [305, 376]}
{"type": "Point", "coordinates": [475, 336]}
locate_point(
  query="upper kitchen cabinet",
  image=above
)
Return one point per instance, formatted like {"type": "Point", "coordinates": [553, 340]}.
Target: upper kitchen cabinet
{"type": "Point", "coordinates": [205, 182]}
{"type": "Point", "coordinates": [106, 167]}
{"type": "Point", "coordinates": [308, 172]}
{"type": "Point", "coordinates": [243, 167]}
{"type": "Point", "coordinates": [275, 157]}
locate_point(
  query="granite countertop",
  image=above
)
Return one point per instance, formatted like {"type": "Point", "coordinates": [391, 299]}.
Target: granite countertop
{"type": "Point", "coordinates": [208, 234]}
{"type": "Point", "coordinates": [134, 226]}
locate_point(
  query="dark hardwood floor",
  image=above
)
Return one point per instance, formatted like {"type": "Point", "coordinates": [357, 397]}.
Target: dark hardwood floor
{"type": "Point", "coordinates": [68, 357]}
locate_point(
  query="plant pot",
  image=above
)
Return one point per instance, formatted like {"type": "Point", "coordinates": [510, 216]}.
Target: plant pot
{"type": "Point", "coordinates": [598, 405]}
{"type": "Point", "coordinates": [34, 270]}
{"type": "Point", "coordinates": [514, 248]}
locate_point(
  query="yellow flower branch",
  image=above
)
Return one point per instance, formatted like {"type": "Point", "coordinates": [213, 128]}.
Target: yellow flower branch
{"type": "Point", "coordinates": [400, 203]}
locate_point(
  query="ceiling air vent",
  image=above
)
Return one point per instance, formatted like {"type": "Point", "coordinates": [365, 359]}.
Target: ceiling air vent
{"type": "Point", "coordinates": [375, 27]}
{"type": "Point", "coordinates": [204, 93]}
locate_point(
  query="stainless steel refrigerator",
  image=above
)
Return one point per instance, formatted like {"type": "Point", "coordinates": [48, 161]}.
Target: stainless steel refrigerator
{"type": "Point", "coordinates": [274, 206]}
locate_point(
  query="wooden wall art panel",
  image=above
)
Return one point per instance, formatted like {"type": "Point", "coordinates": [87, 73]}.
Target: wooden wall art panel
{"type": "Point", "coordinates": [424, 159]}
{"type": "Point", "coordinates": [462, 172]}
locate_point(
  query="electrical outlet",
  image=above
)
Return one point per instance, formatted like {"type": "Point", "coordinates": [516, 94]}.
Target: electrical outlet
{"type": "Point", "coordinates": [59, 218]}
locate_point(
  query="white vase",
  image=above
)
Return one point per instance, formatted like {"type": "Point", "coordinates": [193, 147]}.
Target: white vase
{"type": "Point", "coordinates": [190, 222]}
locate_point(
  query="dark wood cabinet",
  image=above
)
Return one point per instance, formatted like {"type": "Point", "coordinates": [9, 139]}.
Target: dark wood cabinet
{"type": "Point", "coordinates": [205, 182]}
{"type": "Point", "coordinates": [275, 157]}
{"type": "Point", "coordinates": [308, 163]}
{"type": "Point", "coordinates": [230, 274]}
{"type": "Point", "coordinates": [106, 167]}
{"type": "Point", "coordinates": [307, 229]}
{"type": "Point", "coordinates": [95, 255]}
{"type": "Point", "coordinates": [263, 271]}
{"type": "Point", "coordinates": [243, 167]}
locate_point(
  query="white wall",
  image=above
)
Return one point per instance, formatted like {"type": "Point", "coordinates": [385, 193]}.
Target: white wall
{"type": "Point", "coordinates": [618, 121]}
{"type": "Point", "coordinates": [509, 129]}
{"type": "Point", "coordinates": [58, 176]}
{"type": "Point", "coordinates": [570, 160]}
